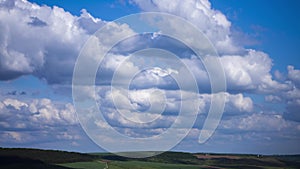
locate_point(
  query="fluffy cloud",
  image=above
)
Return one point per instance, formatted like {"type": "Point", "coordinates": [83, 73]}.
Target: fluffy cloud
{"type": "Point", "coordinates": [238, 103]}
{"type": "Point", "coordinates": [273, 98]}
{"type": "Point", "coordinates": [245, 69]}
{"type": "Point", "coordinates": [16, 104]}
{"type": "Point", "coordinates": [52, 57]}
{"type": "Point", "coordinates": [41, 40]}
{"type": "Point", "coordinates": [292, 101]}
{"type": "Point", "coordinates": [158, 108]}
{"type": "Point", "coordinates": [251, 72]}
{"type": "Point", "coordinates": [147, 108]}
{"type": "Point", "coordinates": [211, 22]}
{"type": "Point", "coordinates": [35, 113]}
{"type": "Point", "coordinates": [29, 121]}
{"type": "Point", "coordinates": [291, 97]}
{"type": "Point", "coordinates": [294, 75]}
{"type": "Point", "coordinates": [89, 23]}
{"type": "Point", "coordinates": [260, 122]}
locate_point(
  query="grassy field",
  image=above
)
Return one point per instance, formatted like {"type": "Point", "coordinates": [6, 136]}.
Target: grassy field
{"type": "Point", "coordinates": [84, 165]}
{"type": "Point", "coordinates": [127, 165]}
{"type": "Point", "coordinates": [48, 159]}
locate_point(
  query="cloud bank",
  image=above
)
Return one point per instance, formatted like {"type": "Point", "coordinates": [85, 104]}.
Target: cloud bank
{"type": "Point", "coordinates": [45, 41]}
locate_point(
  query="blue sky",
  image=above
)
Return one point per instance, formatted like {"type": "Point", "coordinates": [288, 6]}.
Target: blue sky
{"type": "Point", "coordinates": [257, 41]}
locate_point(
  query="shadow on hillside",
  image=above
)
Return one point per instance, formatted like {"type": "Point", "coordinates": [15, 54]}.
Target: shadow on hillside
{"type": "Point", "coordinates": [15, 162]}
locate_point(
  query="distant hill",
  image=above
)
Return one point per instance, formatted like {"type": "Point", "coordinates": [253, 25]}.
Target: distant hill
{"type": "Point", "coordinates": [14, 158]}
{"type": "Point", "coordinates": [217, 160]}
{"type": "Point", "coordinates": [46, 156]}
{"type": "Point", "coordinates": [16, 162]}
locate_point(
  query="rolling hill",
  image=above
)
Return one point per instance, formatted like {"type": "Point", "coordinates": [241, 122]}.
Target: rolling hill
{"type": "Point", "coordinates": [13, 158]}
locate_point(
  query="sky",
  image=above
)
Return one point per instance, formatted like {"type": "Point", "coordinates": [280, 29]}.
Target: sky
{"type": "Point", "coordinates": [257, 43]}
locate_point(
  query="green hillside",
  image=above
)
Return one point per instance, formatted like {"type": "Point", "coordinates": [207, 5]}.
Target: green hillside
{"type": "Point", "coordinates": [51, 159]}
